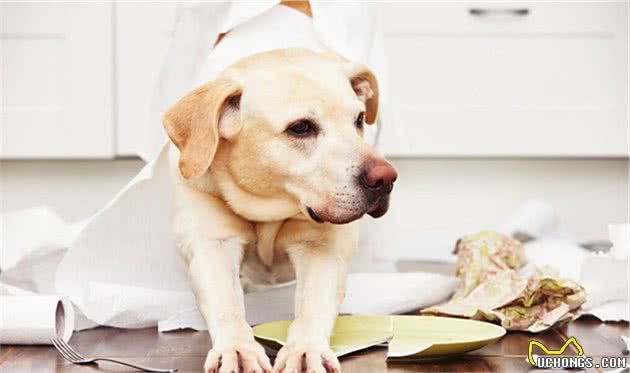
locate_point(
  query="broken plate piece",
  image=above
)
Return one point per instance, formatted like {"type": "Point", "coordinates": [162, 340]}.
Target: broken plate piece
{"type": "Point", "coordinates": [351, 333]}
{"type": "Point", "coordinates": [407, 337]}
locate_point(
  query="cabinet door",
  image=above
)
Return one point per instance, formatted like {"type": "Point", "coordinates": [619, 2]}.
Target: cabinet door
{"type": "Point", "coordinates": [56, 72]}
{"type": "Point", "coordinates": [508, 79]}
{"type": "Point", "coordinates": [143, 33]}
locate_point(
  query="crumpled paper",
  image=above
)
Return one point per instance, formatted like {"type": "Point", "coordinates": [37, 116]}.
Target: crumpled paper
{"type": "Point", "coordinates": [606, 277]}
{"type": "Point", "coordinates": [496, 287]}
{"type": "Point", "coordinates": [482, 256]}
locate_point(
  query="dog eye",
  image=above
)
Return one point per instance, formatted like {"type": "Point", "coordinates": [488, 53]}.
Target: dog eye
{"type": "Point", "coordinates": [359, 122]}
{"type": "Point", "coordinates": [302, 128]}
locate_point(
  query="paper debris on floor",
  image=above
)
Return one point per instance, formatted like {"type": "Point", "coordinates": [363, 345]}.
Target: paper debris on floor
{"type": "Point", "coordinates": [605, 277]}
{"type": "Point", "coordinates": [366, 293]}
{"type": "Point", "coordinates": [497, 286]}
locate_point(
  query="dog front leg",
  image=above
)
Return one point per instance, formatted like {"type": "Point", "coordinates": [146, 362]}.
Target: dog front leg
{"type": "Point", "coordinates": [211, 238]}
{"type": "Point", "coordinates": [214, 271]}
{"type": "Point", "coordinates": [321, 276]}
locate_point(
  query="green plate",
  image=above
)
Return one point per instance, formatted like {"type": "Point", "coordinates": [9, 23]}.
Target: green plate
{"type": "Point", "coordinates": [407, 337]}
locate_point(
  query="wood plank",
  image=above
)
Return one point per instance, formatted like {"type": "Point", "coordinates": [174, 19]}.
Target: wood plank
{"type": "Point", "coordinates": [187, 349]}
{"type": "Point", "coordinates": [597, 338]}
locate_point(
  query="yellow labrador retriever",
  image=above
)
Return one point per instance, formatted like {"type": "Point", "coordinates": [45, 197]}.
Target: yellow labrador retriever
{"type": "Point", "coordinates": [270, 171]}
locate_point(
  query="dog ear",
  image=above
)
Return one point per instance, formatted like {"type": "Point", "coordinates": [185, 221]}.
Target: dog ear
{"type": "Point", "coordinates": [193, 123]}
{"type": "Point", "coordinates": [365, 86]}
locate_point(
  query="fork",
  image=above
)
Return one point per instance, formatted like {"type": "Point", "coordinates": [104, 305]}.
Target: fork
{"type": "Point", "coordinates": [74, 357]}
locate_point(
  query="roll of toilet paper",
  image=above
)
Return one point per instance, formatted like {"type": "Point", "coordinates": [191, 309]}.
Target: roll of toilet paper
{"type": "Point", "coordinates": [35, 319]}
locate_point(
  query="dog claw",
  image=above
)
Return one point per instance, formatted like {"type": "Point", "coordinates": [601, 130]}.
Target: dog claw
{"type": "Point", "coordinates": [247, 357]}
{"type": "Point", "coordinates": [294, 358]}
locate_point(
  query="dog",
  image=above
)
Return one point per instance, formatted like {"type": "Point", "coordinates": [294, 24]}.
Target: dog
{"type": "Point", "coordinates": [270, 174]}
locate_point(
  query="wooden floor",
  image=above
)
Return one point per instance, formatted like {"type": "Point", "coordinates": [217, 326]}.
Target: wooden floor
{"type": "Point", "coordinates": [186, 351]}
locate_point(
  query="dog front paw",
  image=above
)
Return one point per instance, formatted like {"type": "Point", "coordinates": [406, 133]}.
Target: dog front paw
{"type": "Point", "coordinates": [309, 358]}
{"type": "Point", "coordinates": [235, 357]}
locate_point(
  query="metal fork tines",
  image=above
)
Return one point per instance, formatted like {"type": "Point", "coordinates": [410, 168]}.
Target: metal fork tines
{"type": "Point", "coordinates": [74, 357]}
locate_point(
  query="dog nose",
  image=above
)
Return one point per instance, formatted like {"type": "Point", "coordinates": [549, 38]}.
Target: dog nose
{"type": "Point", "coordinates": [379, 177]}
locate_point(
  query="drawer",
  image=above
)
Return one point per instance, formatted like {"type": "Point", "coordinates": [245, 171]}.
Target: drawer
{"type": "Point", "coordinates": [548, 83]}
{"type": "Point", "coordinates": [499, 18]}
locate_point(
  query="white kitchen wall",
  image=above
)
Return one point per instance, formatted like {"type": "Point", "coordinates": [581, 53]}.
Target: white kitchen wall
{"type": "Point", "coordinates": [430, 194]}
{"type": "Point", "coordinates": [73, 189]}
{"type": "Point", "coordinates": [459, 194]}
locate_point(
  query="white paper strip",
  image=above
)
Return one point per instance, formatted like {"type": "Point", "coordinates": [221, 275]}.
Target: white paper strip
{"type": "Point", "coordinates": [35, 319]}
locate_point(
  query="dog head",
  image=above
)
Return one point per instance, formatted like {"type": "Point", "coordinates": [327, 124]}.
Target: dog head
{"type": "Point", "coordinates": [289, 123]}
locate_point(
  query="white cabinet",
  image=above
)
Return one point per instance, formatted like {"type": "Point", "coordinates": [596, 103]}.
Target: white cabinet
{"type": "Point", "coordinates": [143, 33]}
{"type": "Point", "coordinates": [495, 79]}
{"type": "Point", "coordinates": [508, 79]}
{"type": "Point", "coordinates": [56, 75]}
